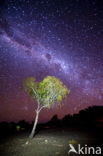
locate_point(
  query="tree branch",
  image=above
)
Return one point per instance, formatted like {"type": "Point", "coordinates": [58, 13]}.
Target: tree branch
{"type": "Point", "coordinates": [34, 91]}
{"type": "Point", "coordinates": [43, 107]}
{"type": "Point", "coordinates": [35, 94]}
{"type": "Point", "coordinates": [38, 109]}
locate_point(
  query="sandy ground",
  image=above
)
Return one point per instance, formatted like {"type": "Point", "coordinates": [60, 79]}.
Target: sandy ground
{"type": "Point", "coordinates": [48, 142]}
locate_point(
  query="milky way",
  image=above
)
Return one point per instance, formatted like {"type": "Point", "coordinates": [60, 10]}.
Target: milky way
{"type": "Point", "coordinates": [63, 38]}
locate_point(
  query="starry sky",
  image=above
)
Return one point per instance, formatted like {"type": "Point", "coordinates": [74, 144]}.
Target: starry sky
{"type": "Point", "coordinates": [62, 38]}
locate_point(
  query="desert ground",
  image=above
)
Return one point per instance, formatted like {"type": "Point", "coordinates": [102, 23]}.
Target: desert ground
{"type": "Point", "coordinates": [48, 142]}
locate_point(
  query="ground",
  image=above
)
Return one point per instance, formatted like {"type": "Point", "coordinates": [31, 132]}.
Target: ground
{"type": "Point", "coordinates": [48, 142]}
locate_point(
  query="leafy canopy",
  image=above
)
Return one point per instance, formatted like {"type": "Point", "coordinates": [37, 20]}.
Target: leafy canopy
{"type": "Point", "coordinates": [47, 92]}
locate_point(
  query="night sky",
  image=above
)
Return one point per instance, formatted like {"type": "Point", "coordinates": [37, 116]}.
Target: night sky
{"type": "Point", "coordinates": [62, 38]}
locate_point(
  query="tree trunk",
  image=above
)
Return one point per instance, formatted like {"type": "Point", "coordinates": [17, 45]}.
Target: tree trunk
{"type": "Point", "coordinates": [34, 127]}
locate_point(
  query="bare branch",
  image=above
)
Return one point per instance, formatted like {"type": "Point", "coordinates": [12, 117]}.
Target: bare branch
{"type": "Point", "coordinates": [43, 107]}
{"type": "Point", "coordinates": [34, 91]}
{"type": "Point", "coordinates": [36, 95]}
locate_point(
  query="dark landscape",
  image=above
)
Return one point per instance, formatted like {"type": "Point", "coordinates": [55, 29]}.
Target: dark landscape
{"type": "Point", "coordinates": [54, 137]}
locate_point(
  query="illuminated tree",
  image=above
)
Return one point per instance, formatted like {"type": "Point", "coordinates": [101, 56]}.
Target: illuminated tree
{"type": "Point", "coordinates": [47, 93]}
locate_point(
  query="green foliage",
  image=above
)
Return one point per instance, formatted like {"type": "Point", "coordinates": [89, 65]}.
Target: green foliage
{"type": "Point", "coordinates": [30, 85]}
{"type": "Point", "coordinates": [48, 92]}
{"type": "Point", "coordinates": [51, 91]}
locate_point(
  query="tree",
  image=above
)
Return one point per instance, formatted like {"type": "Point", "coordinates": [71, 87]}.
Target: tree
{"type": "Point", "coordinates": [47, 93]}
